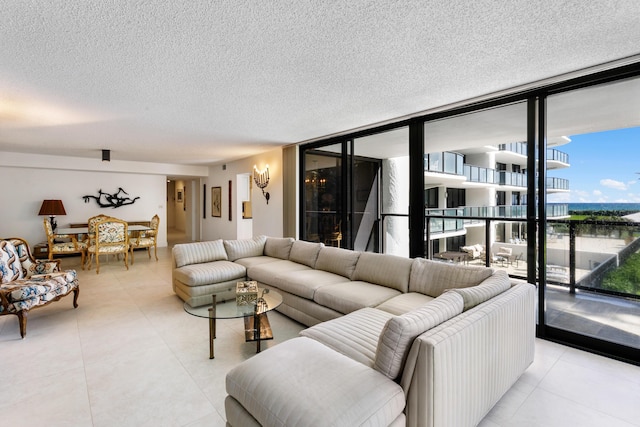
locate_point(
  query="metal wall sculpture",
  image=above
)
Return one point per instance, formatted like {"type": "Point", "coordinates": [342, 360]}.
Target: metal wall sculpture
{"type": "Point", "coordinates": [115, 200]}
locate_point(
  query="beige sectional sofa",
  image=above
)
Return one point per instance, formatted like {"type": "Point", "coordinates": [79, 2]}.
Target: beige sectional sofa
{"type": "Point", "coordinates": [391, 340]}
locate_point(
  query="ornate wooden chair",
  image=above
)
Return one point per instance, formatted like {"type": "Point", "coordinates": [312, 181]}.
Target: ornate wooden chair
{"type": "Point", "coordinates": [147, 239]}
{"type": "Point", "coordinates": [65, 248]}
{"type": "Point", "coordinates": [26, 283]}
{"type": "Point", "coordinates": [111, 238]}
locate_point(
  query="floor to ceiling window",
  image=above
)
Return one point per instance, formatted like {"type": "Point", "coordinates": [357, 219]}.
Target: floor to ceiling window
{"type": "Point", "coordinates": [356, 193]}
{"type": "Point", "coordinates": [592, 293]}
{"type": "Point", "coordinates": [495, 184]}
{"type": "Point", "coordinates": [468, 159]}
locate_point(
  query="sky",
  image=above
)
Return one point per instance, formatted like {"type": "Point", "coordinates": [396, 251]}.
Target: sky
{"type": "Point", "coordinates": [605, 168]}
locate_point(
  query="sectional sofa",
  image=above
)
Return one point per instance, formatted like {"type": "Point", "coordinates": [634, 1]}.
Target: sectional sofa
{"type": "Point", "coordinates": [391, 340]}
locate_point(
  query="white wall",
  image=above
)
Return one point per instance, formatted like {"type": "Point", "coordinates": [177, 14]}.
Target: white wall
{"type": "Point", "coordinates": [267, 218]}
{"type": "Point", "coordinates": [30, 178]}
{"type": "Point", "coordinates": [20, 216]}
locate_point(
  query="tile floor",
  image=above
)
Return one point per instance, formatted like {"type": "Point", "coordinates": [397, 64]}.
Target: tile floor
{"type": "Point", "coordinates": [130, 356]}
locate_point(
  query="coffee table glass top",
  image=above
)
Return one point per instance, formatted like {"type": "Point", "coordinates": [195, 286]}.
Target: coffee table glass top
{"type": "Point", "coordinates": [229, 309]}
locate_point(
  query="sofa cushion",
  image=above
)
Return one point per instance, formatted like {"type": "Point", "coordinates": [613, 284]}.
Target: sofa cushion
{"type": "Point", "coordinates": [355, 334]}
{"type": "Point", "coordinates": [267, 272]}
{"type": "Point", "coordinates": [351, 296]}
{"type": "Point", "coordinates": [434, 277]}
{"type": "Point", "coordinates": [207, 273]}
{"type": "Point", "coordinates": [278, 247]}
{"type": "Point", "coordinates": [400, 331]}
{"type": "Point", "coordinates": [383, 269]}
{"type": "Point", "coordinates": [305, 252]}
{"type": "Point", "coordinates": [337, 260]}
{"type": "Point", "coordinates": [244, 248]}
{"type": "Point", "coordinates": [255, 260]}
{"type": "Point", "coordinates": [404, 303]}
{"type": "Point", "coordinates": [305, 282]}
{"type": "Point", "coordinates": [489, 288]}
{"type": "Point", "coordinates": [194, 253]}
{"type": "Point", "coordinates": [10, 267]}
{"type": "Point", "coordinates": [302, 382]}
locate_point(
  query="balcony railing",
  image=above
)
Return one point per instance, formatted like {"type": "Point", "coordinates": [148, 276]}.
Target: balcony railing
{"type": "Point", "coordinates": [557, 183]}
{"type": "Point", "coordinates": [521, 148]}
{"type": "Point", "coordinates": [514, 179]}
{"type": "Point", "coordinates": [445, 162]}
{"type": "Point", "coordinates": [445, 225]}
{"type": "Point", "coordinates": [557, 156]}
{"type": "Point", "coordinates": [554, 210]}
{"type": "Point", "coordinates": [480, 174]}
{"type": "Point", "coordinates": [514, 147]}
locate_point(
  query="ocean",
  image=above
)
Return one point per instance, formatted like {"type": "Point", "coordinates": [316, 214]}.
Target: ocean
{"type": "Point", "coordinates": [630, 207]}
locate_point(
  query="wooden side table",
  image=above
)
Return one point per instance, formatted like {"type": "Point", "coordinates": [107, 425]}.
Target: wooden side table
{"type": "Point", "coordinates": [41, 250]}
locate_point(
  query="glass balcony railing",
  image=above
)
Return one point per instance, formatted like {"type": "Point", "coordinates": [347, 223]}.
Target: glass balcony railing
{"type": "Point", "coordinates": [557, 183]}
{"type": "Point", "coordinates": [512, 178]}
{"type": "Point", "coordinates": [445, 225]}
{"type": "Point", "coordinates": [554, 210]}
{"type": "Point", "coordinates": [521, 148]}
{"type": "Point", "coordinates": [445, 162]}
{"type": "Point", "coordinates": [557, 156]}
{"type": "Point", "coordinates": [514, 147]}
{"type": "Point", "coordinates": [480, 174]}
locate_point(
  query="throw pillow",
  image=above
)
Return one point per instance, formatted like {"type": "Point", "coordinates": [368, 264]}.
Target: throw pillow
{"type": "Point", "coordinates": [278, 247]}
{"type": "Point", "coordinates": [433, 277]}
{"type": "Point", "coordinates": [196, 253]}
{"type": "Point", "coordinates": [400, 331]}
{"type": "Point", "coordinates": [245, 248]}
{"type": "Point", "coordinates": [305, 253]}
{"type": "Point", "coordinates": [489, 288]}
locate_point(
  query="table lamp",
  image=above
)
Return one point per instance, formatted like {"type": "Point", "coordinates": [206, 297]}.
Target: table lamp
{"type": "Point", "coordinates": [52, 208]}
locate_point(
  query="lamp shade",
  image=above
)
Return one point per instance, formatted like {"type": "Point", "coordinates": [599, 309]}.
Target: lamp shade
{"type": "Point", "coordinates": [52, 207]}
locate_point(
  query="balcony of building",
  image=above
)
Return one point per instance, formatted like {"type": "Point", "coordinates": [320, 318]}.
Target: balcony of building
{"type": "Point", "coordinates": [557, 185]}
{"type": "Point", "coordinates": [516, 153]}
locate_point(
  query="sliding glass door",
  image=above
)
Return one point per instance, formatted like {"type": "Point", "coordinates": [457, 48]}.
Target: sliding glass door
{"type": "Point", "coordinates": [544, 184]}
{"type": "Point", "coordinates": [593, 257]}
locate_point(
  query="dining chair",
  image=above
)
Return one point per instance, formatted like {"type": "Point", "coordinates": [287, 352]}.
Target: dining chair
{"type": "Point", "coordinates": [111, 238]}
{"type": "Point", "coordinates": [147, 239]}
{"type": "Point", "coordinates": [71, 246]}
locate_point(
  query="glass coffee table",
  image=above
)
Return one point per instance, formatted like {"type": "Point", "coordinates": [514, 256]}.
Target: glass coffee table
{"type": "Point", "coordinates": [256, 323]}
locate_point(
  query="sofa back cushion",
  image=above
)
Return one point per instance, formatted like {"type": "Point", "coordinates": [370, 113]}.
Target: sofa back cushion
{"type": "Point", "coordinates": [245, 248]}
{"type": "Point", "coordinates": [10, 267]}
{"type": "Point", "coordinates": [305, 253]}
{"type": "Point", "coordinates": [337, 260]}
{"type": "Point", "coordinates": [382, 269]}
{"type": "Point", "coordinates": [434, 277]}
{"type": "Point", "coordinates": [400, 331]}
{"type": "Point", "coordinates": [496, 284]}
{"type": "Point", "coordinates": [278, 247]}
{"type": "Point", "coordinates": [198, 252]}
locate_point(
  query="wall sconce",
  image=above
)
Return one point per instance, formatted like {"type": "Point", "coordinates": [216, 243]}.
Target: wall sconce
{"type": "Point", "coordinates": [261, 178]}
{"type": "Point", "coordinates": [52, 208]}
{"type": "Point", "coordinates": [106, 155]}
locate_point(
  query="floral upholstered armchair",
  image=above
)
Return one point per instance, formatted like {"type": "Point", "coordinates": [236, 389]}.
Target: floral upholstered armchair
{"type": "Point", "coordinates": [26, 284]}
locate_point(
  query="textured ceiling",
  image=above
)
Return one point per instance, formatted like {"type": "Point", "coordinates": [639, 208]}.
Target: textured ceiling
{"type": "Point", "coordinates": [199, 82]}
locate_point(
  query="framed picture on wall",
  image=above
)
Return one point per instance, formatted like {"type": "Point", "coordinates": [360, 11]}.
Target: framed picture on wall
{"type": "Point", "coordinates": [216, 201]}
{"type": "Point", "coordinates": [180, 196]}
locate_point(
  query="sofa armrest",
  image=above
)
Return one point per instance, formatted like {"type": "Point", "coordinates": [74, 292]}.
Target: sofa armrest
{"type": "Point", "coordinates": [457, 371]}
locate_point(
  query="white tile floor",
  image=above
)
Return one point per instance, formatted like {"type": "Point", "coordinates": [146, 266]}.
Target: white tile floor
{"type": "Point", "coordinates": [130, 356]}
